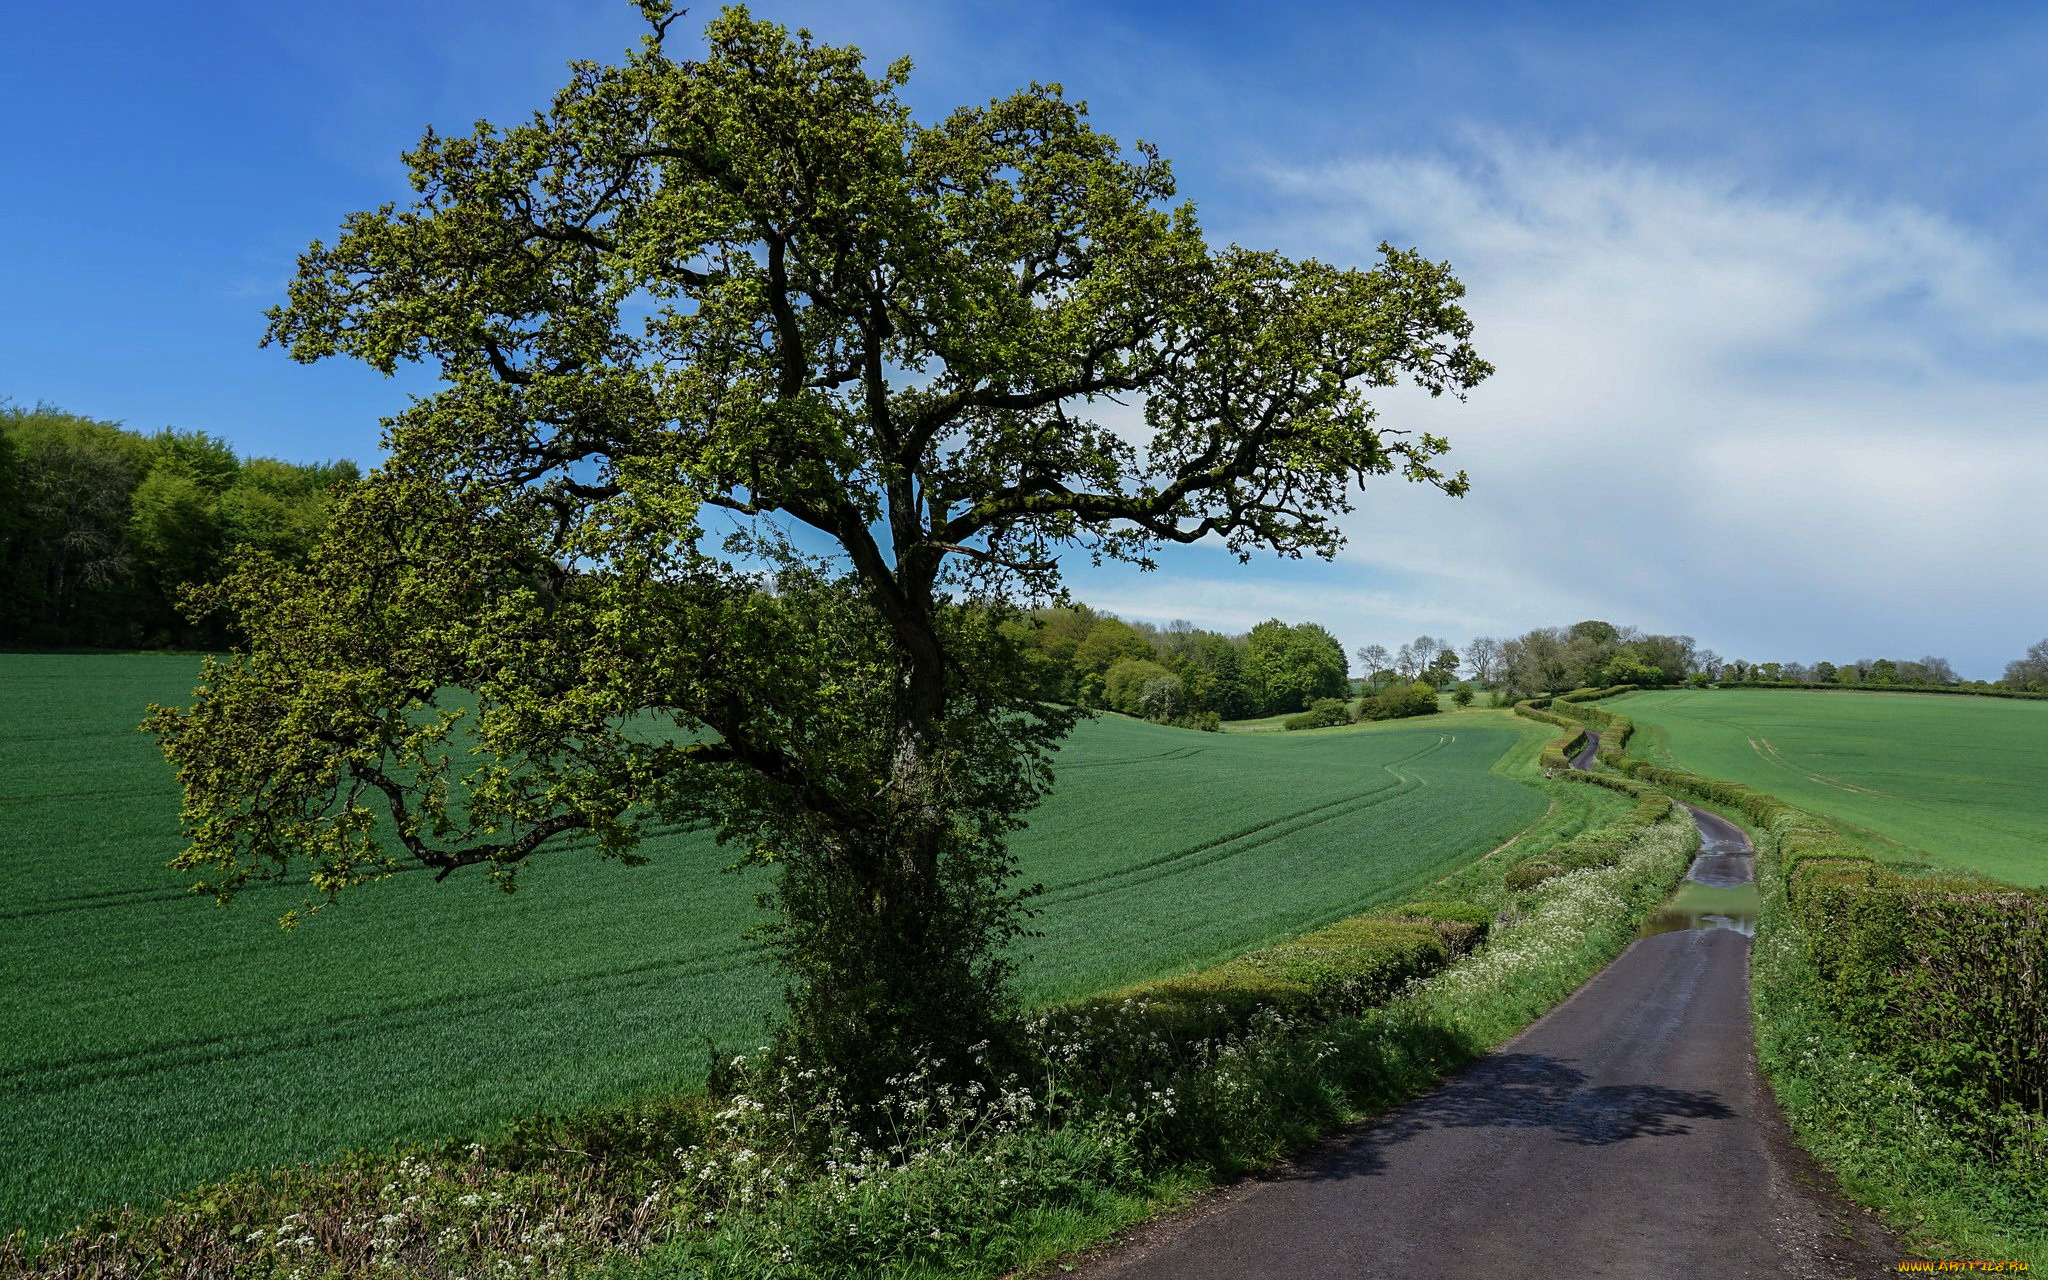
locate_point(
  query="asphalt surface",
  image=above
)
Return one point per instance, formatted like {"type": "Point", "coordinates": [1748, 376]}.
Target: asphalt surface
{"type": "Point", "coordinates": [1584, 760]}
{"type": "Point", "coordinates": [1627, 1133]}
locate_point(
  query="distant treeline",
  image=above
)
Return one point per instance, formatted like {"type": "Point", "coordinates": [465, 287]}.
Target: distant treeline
{"type": "Point", "coordinates": [1596, 654]}
{"type": "Point", "coordinates": [2023, 677]}
{"type": "Point", "coordinates": [1586, 654]}
{"type": "Point", "coordinates": [1181, 674]}
{"type": "Point", "coordinates": [101, 527]}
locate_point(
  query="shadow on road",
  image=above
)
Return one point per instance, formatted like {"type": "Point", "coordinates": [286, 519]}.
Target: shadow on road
{"type": "Point", "coordinates": [1524, 1091]}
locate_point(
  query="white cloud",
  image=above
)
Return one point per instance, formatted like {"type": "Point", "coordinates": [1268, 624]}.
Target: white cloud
{"type": "Point", "coordinates": [1790, 426]}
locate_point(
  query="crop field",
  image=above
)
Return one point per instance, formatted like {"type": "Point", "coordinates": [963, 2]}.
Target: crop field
{"type": "Point", "coordinates": [149, 1040]}
{"type": "Point", "coordinates": [1955, 781]}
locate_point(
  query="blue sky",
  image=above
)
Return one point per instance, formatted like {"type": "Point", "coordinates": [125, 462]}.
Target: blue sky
{"type": "Point", "coordinates": [1765, 284]}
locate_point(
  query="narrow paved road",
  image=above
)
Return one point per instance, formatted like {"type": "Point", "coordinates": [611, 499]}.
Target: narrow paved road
{"type": "Point", "coordinates": [1625, 1134]}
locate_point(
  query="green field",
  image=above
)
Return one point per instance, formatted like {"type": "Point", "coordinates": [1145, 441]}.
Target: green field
{"type": "Point", "coordinates": [1955, 781]}
{"type": "Point", "coordinates": [149, 1040]}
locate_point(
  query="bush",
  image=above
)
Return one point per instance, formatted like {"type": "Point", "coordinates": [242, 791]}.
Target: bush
{"type": "Point", "coordinates": [1461, 925]}
{"type": "Point", "coordinates": [1335, 971]}
{"type": "Point", "coordinates": [1945, 975]}
{"type": "Point", "coordinates": [1322, 714]}
{"type": "Point", "coordinates": [1399, 702]}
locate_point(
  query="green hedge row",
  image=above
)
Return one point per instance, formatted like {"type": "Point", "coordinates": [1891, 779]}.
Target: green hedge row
{"type": "Point", "coordinates": [1945, 976]}
{"type": "Point", "coordinates": [1558, 755]}
{"type": "Point", "coordinates": [1598, 848]}
{"type": "Point", "coordinates": [1602, 847]}
{"type": "Point", "coordinates": [1338, 971]}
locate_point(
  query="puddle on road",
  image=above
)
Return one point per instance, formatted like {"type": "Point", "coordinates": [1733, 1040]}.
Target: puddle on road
{"type": "Point", "coordinates": [1699, 905]}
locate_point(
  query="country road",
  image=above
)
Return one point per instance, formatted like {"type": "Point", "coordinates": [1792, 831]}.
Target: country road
{"type": "Point", "coordinates": [1627, 1133]}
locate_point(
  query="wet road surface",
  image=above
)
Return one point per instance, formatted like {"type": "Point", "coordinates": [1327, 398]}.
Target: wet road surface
{"type": "Point", "coordinates": [1627, 1133]}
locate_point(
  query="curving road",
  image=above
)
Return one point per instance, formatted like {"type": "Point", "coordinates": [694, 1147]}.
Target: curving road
{"type": "Point", "coordinates": [1627, 1133]}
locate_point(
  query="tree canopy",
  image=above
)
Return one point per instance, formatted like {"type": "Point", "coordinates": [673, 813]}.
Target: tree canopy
{"type": "Point", "coordinates": [762, 403]}
{"type": "Point", "coordinates": [102, 527]}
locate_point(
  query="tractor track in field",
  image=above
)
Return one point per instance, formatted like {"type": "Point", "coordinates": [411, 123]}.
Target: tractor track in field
{"type": "Point", "coordinates": [1626, 1133]}
{"type": "Point", "coordinates": [1399, 782]}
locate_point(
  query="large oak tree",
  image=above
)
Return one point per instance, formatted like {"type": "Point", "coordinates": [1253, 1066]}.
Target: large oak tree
{"type": "Point", "coordinates": [762, 402]}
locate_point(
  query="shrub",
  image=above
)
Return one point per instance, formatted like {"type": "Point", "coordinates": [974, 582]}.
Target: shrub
{"type": "Point", "coordinates": [1322, 714]}
{"type": "Point", "coordinates": [1399, 702]}
{"type": "Point", "coordinates": [1461, 925]}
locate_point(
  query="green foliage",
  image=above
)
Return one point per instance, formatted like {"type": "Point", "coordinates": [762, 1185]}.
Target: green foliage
{"type": "Point", "coordinates": [1441, 669]}
{"type": "Point", "coordinates": [1463, 697]}
{"type": "Point", "coordinates": [1870, 1122]}
{"type": "Point", "coordinates": [1944, 976]}
{"type": "Point", "coordinates": [1072, 653]}
{"type": "Point", "coordinates": [1399, 702]}
{"type": "Point", "coordinates": [143, 1068]}
{"type": "Point", "coordinates": [1979, 690]}
{"type": "Point", "coordinates": [102, 528]}
{"type": "Point", "coordinates": [1338, 970]}
{"type": "Point", "coordinates": [1323, 713]}
{"type": "Point", "coordinates": [1108, 642]}
{"type": "Point", "coordinates": [1462, 926]}
{"type": "Point", "coordinates": [1292, 666]}
{"type": "Point", "coordinates": [1141, 687]}
{"type": "Point", "coordinates": [1627, 668]}
{"type": "Point", "coordinates": [751, 282]}
{"type": "Point", "coordinates": [2028, 674]}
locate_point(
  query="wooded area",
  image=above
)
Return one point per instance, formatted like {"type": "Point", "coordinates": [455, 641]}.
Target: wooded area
{"type": "Point", "coordinates": [102, 527]}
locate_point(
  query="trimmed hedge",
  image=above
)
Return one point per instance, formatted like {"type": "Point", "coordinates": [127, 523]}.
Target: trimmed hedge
{"type": "Point", "coordinates": [1337, 971]}
{"type": "Point", "coordinates": [1461, 925]}
{"type": "Point", "coordinates": [1558, 755]}
{"type": "Point", "coordinates": [1946, 976]}
{"type": "Point", "coordinates": [1602, 847]}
